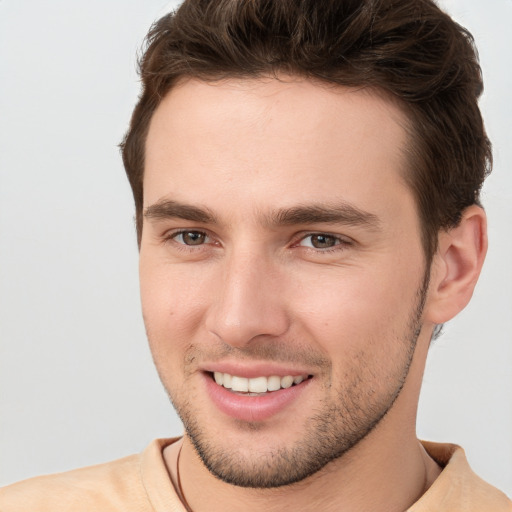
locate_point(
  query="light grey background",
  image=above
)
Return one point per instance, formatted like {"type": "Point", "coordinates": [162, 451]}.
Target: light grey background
{"type": "Point", "coordinates": [77, 385]}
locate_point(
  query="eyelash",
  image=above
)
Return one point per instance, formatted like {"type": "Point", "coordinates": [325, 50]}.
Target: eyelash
{"type": "Point", "coordinates": [171, 237]}
{"type": "Point", "coordinates": [340, 243]}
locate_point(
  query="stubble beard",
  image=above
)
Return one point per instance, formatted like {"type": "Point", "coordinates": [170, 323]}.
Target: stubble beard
{"type": "Point", "coordinates": [334, 428]}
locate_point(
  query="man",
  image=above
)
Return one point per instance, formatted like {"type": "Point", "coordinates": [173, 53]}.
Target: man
{"type": "Point", "coordinates": [306, 178]}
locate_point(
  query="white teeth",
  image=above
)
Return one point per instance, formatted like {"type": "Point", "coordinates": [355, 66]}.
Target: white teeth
{"type": "Point", "coordinates": [286, 382]}
{"type": "Point", "coordinates": [240, 384]}
{"type": "Point", "coordinates": [226, 380]}
{"type": "Point", "coordinates": [274, 383]}
{"type": "Point", "coordinates": [257, 384]}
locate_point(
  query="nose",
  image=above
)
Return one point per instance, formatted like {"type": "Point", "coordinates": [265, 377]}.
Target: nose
{"type": "Point", "coordinates": [248, 303]}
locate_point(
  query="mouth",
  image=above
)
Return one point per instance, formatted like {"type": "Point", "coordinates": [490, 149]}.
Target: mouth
{"type": "Point", "coordinates": [257, 386]}
{"type": "Point", "coordinates": [258, 392]}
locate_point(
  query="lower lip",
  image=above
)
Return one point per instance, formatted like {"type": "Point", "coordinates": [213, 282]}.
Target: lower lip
{"type": "Point", "coordinates": [253, 408]}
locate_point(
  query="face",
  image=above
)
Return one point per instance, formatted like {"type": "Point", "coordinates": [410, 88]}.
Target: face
{"type": "Point", "coordinates": [282, 272]}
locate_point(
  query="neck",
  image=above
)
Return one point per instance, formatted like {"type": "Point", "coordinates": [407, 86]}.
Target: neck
{"type": "Point", "coordinates": [383, 480]}
{"type": "Point", "coordinates": [388, 471]}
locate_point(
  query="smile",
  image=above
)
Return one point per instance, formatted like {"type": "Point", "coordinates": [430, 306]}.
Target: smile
{"type": "Point", "coordinates": [256, 398]}
{"type": "Point", "coordinates": [257, 385]}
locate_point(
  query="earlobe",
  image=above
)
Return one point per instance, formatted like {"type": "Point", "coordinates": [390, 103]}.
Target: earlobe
{"type": "Point", "coordinates": [456, 266]}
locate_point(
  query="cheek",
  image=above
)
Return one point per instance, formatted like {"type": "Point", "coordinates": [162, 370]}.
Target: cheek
{"type": "Point", "coordinates": [172, 304]}
{"type": "Point", "coordinates": [357, 308]}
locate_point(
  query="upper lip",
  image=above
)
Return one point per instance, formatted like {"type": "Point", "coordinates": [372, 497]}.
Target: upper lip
{"type": "Point", "coordinates": [253, 369]}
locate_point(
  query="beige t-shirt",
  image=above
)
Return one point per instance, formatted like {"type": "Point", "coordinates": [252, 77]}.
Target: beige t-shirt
{"type": "Point", "coordinates": [141, 483]}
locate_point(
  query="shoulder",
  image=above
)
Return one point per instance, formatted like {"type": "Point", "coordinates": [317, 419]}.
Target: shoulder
{"type": "Point", "coordinates": [458, 487]}
{"type": "Point", "coordinates": [107, 487]}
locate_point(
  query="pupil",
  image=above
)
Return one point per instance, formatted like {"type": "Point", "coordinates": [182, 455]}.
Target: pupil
{"type": "Point", "coordinates": [193, 238]}
{"type": "Point", "coordinates": [322, 241]}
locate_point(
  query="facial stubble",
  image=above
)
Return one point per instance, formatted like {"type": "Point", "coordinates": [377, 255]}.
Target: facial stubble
{"type": "Point", "coordinates": [335, 427]}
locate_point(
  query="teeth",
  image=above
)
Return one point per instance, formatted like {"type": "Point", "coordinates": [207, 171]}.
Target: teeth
{"type": "Point", "coordinates": [274, 383]}
{"type": "Point", "coordinates": [257, 384]}
{"type": "Point", "coordinates": [286, 382]}
{"type": "Point", "coordinates": [239, 384]}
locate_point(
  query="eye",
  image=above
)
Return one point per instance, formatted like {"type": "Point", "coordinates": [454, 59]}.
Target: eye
{"type": "Point", "coordinates": [191, 237]}
{"type": "Point", "coordinates": [320, 241]}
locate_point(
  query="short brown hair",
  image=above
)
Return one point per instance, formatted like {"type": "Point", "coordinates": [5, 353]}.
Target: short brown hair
{"type": "Point", "coordinates": [409, 49]}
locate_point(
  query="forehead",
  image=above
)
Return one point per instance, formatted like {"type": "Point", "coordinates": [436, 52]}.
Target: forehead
{"type": "Point", "coordinates": [269, 140]}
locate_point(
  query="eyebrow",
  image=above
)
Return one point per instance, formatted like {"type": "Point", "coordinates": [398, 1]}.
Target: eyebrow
{"type": "Point", "coordinates": [164, 209]}
{"type": "Point", "coordinates": [342, 213]}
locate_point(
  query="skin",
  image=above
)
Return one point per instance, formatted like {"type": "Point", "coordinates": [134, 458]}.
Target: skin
{"type": "Point", "coordinates": [243, 288]}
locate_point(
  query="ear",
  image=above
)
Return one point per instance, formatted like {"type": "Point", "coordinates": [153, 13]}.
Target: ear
{"type": "Point", "coordinates": [456, 266]}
